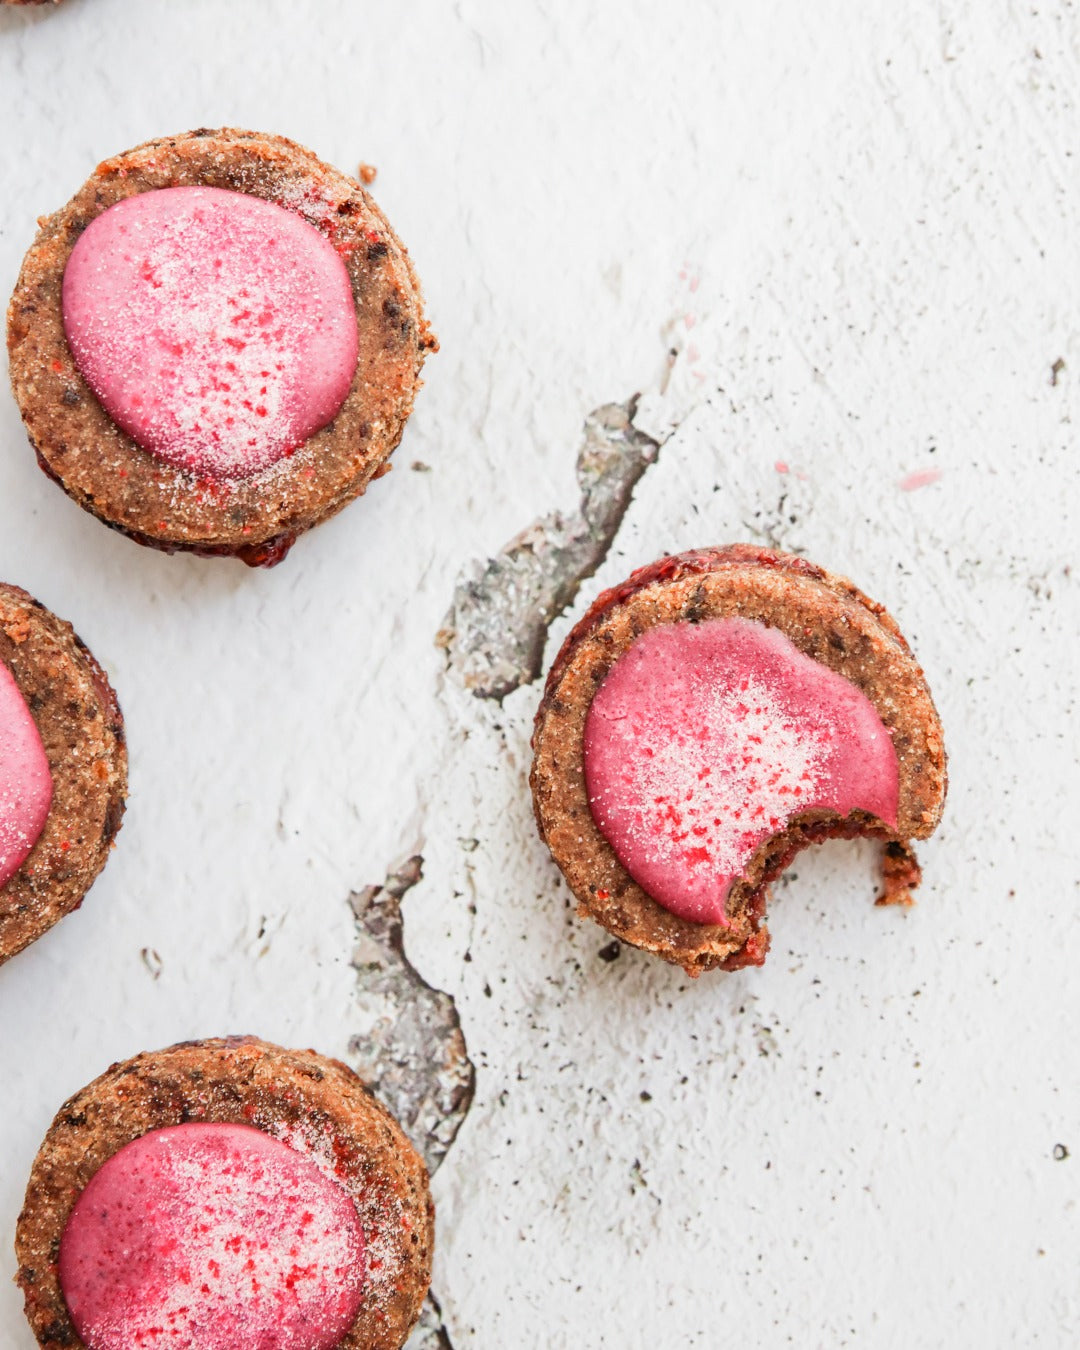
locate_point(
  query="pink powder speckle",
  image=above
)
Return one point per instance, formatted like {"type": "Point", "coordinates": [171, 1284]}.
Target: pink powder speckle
{"type": "Point", "coordinates": [781, 467]}
{"type": "Point", "coordinates": [212, 1237]}
{"type": "Point", "coordinates": [705, 739]}
{"type": "Point", "coordinates": [920, 479]}
{"type": "Point", "coordinates": [216, 328]}
{"type": "Point", "coordinates": [26, 785]}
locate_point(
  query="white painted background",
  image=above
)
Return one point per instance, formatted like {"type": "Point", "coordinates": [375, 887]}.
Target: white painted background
{"type": "Point", "coordinates": [858, 223]}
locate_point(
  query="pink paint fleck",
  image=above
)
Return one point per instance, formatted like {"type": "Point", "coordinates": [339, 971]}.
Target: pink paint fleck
{"type": "Point", "coordinates": [781, 466]}
{"type": "Point", "coordinates": [919, 479]}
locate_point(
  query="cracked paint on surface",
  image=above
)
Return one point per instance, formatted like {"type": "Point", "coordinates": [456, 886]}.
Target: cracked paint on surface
{"type": "Point", "coordinates": [411, 1050]}
{"type": "Point", "coordinates": [495, 632]}
{"type": "Point", "coordinates": [430, 1333]}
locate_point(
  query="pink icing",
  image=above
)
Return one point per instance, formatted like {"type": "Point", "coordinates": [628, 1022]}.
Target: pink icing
{"type": "Point", "coordinates": [217, 329]}
{"type": "Point", "coordinates": [705, 739]}
{"type": "Point", "coordinates": [212, 1237]}
{"type": "Point", "coordinates": [25, 781]}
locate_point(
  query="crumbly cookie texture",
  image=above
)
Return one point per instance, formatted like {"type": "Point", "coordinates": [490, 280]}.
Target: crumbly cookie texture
{"type": "Point", "coordinates": [82, 730]}
{"type": "Point", "coordinates": [256, 518]}
{"type": "Point", "coordinates": [315, 1105]}
{"type": "Point", "coordinates": [826, 618]}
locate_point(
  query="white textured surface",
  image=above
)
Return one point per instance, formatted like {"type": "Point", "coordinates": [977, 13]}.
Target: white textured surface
{"type": "Point", "coordinates": [858, 223]}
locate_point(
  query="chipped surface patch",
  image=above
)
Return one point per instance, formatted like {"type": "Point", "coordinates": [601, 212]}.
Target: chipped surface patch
{"type": "Point", "coordinates": [410, 1047]}
{"type": "Point", "coordinates": [497, 626]}
{"type": "Point", "coordinates": [429, 1332]}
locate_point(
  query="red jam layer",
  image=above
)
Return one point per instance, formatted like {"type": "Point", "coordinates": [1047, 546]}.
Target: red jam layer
{"type": "Point", "coordinates": [212, 1237]}
{"type": "Point", "coordinates": [217, 329]}
{"type": "Point", "coordinates": [26, 785]}
{"type": "Point", "coordinates": [704, 740]}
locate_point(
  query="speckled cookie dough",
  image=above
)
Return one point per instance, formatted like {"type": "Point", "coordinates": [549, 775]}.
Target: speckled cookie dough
{"type": "Point", "coordinates": [824, 617]}
{"type": "Point", "coordinates": [82, 731]}
{"type": "Point", "coordinates": [257, 517]}
{"type": "Point", "coordinates": [315, 1106]}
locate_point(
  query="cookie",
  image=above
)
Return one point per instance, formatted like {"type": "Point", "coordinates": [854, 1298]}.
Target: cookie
{"type": "Point", "coordinates": [63, 769]}
{"type": "Point", "coordinates": [225, 1193]}
{"type": "Point", "coordinates": [705, 721]}
{"type": "Point", "coordinates": [216, 344]}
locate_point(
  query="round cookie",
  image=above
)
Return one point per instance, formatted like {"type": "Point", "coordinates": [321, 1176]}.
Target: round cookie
{"type": "Point", "coordinates": [795, 682]}
{"type": "Point", "coordinates": [197, 507]}
{"type": "Point", "coordinates": [315, 1107]}
{"type": "Point", "coordinates": [81, 730]}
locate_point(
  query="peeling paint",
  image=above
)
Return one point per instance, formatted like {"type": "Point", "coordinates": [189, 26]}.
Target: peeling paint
{"type": "Point", "coordinates": [410, 1049]}
{"type": "Point", "coordinates": [409, 1046]}
{"type": "Point", "coordinates": [495, 631]}
{"type": "Point", "coordinates": [429, 1332]}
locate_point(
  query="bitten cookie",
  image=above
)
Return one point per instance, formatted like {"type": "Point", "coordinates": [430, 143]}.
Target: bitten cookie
{"type": "Point", "coordinates": [216, 344]}
{"type": "Point", "coordinates": [705, 721]}
{"type": "Point", "coordinates": [224, 1194]}
{"type": "Point", "coordinates": [63, 769]}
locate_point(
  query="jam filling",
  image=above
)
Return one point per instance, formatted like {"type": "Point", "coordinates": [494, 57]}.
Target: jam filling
{"type": "Point", "coordinates": [26, 785]}
{"type": "Point", "coordinates": [217, 329]}
{"type": "Point", "coordinates": [705, 740]}
{"type": "Point", "coordinates": [212, 1237]}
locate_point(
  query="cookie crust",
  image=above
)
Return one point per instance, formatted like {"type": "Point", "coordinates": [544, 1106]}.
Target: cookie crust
{"type": "Point", "coordinates": [298, 1096]}
{"type": "Point", "coordinates": [824, 616]}
{"type": "Point", "coordinates": [256, 518]}
{"type": "Point", "coordinates": [82, 730]}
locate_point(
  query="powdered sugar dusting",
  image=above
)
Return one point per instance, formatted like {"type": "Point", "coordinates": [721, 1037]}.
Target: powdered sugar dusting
{"type": "Point", "coordinates": [743, 763]}
{"type": "Point", "coordinates": [25, 781]}
{"type": "Point", "coordinates": [212, 1237]}
{"type": "Point", "coordinates": [382, 1253]}
{"type": "Point", "coordinates": [216, 328]}
{"type": "Point", "coordinates": [705, 740]}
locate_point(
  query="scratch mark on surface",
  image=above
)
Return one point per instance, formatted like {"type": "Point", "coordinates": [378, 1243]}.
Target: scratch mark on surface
{"type": "Point", "coordinates": [498, 622]}
{"type": "Point", "coordinates": [152, 961]}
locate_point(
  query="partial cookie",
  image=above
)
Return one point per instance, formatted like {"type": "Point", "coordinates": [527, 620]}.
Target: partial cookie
{"type": "Point", "coordinates": [216, 344]}
{"type": "Point", "coordinates": [708, 719]}
{"type": "Point", "coordinates": [63, 769]}
{"type": "Point", "coordinates": [225, 1193]}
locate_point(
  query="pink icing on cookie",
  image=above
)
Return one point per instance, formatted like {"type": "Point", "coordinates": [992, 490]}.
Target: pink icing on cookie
{"type": "Point", "coordinates": [705, 739]}
{"type": "Point", "coordinates": [217, 329]}
{"type": "Point", "coordinates": [212, 1237]}
{"type": "Point", "coordinates": [25, 781]}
